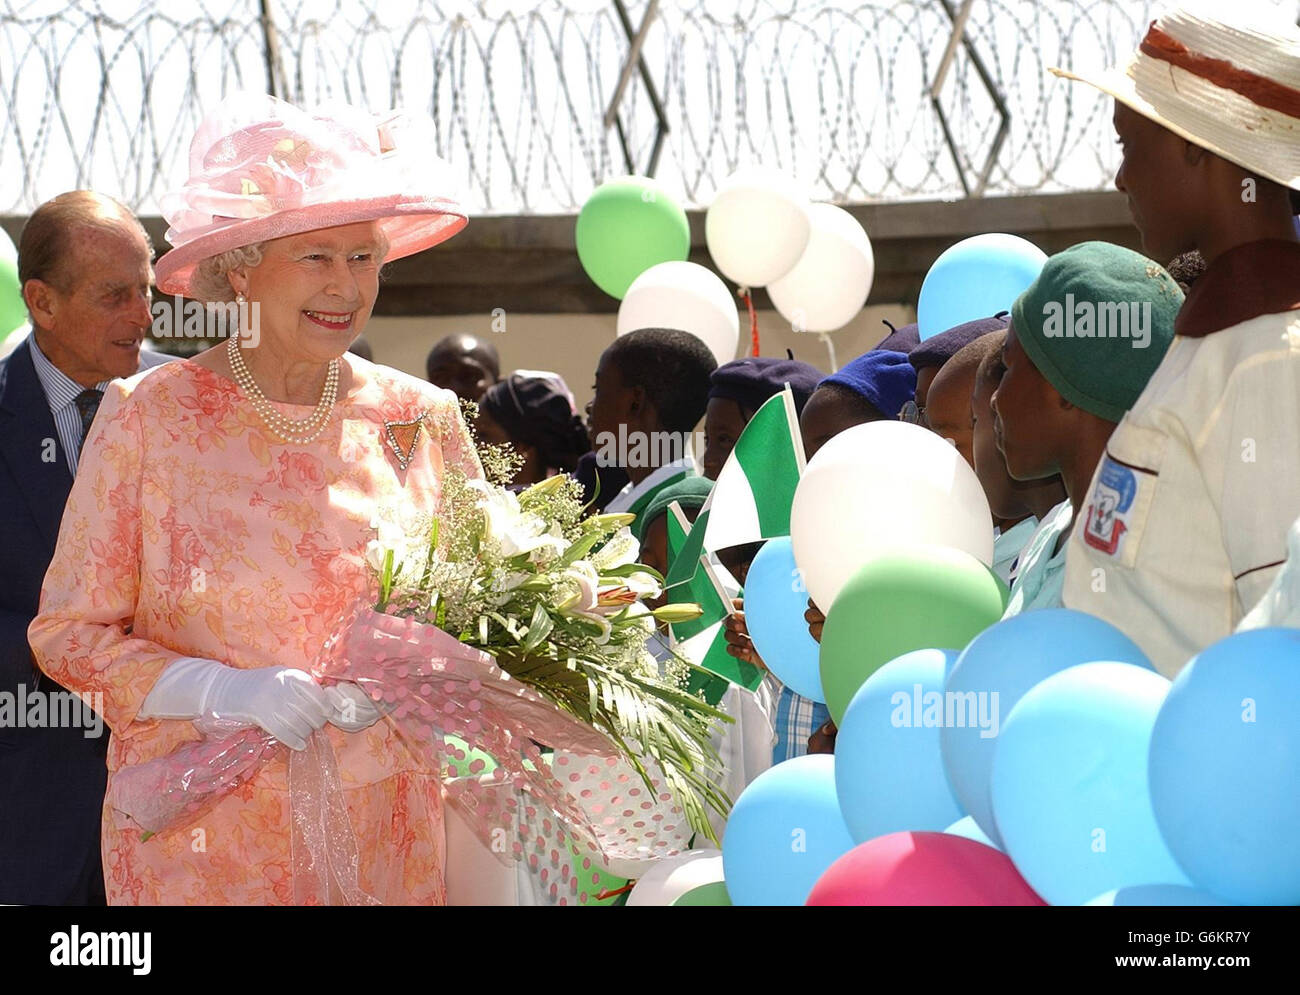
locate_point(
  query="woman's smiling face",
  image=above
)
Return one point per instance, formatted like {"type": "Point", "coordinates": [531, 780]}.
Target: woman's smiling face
{"type": "Point", "coordinates": [314, 291]}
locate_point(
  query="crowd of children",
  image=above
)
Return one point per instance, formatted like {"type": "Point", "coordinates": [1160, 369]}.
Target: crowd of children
{"type": "Point", "coordinates": [1135, 429]}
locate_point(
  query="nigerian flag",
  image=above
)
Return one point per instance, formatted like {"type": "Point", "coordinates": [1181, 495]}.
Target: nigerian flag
{"type": "Point", "coordinates": [703, 640]}
{"type": "Point", "coordinates": [755, 489]}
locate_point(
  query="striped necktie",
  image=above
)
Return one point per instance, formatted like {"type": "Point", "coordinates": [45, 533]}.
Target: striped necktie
{"type": "Point", "coordinates": [87, 403]}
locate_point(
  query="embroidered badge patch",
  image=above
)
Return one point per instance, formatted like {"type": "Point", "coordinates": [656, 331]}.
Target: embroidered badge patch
{"type": "Point", "coordinates": [1112, 500]}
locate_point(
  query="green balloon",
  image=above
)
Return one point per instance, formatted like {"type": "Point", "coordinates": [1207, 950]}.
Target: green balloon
{"type": "Point", "coordinates": [926, 597]}
{"type": "Point", "coordinates": [13, 312]}
{"type": "Point", "coordinates": [625, 227]}
{"type": "Point", "coordinates": [705, 894]}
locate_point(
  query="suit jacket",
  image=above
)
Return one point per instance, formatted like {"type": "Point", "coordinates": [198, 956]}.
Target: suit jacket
{"type": "Point", "coordinates": [51, 779]}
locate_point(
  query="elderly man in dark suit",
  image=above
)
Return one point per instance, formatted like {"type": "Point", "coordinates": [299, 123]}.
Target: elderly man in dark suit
{"type": "Point", "coordinates": [84, 265]}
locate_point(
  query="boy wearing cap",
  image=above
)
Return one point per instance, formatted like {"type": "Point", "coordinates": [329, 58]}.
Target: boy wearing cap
{"type": "Point", "coordinates": [1063, 391]}
{"type": "Point", "coordinates": [738, 389]}
{"type": "Point", "coordinates": [1185, 523]}
{"type": "Point", "coordinates": [1017, 506]}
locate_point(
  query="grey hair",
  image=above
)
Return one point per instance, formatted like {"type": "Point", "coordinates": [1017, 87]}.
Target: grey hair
{"type": "Point", "coordinates": [210, 282]}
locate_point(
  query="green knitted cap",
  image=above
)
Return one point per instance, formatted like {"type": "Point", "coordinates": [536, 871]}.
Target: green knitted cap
{"type": "Point", "coordinates": [690, 492]}
{"type": "Point", "coordinates": [1096, 323]}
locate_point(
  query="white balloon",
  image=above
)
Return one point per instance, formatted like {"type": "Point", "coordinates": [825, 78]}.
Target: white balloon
{"type": "Point", "coordinates": [671, 878]}
{"type": "Point", "coordinates": [877, 487]}
{"type": "Point", "coordinates": [8, 251]}
{"type": "Point", "coordinates": [757, 226]}
{"type": "Point", "coordinates": [686, 296]}
{"type": "Point", "coordinates": [831, 281]}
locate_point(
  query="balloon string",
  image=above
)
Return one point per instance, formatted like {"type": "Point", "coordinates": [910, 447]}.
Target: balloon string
{"type": "Point", "coordinates": [830, 348]}
{"type": "Point", "coordinates": [744, 294]}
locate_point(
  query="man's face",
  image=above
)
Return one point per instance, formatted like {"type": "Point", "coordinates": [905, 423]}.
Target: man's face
{"type": "Point", "coordinates": [1159, 183]}
{"type": "Point", "coordinates": [95, 315]}
{"type": "Point", "coordinates": [1023, 407]}
{"type": "Point", "coordinates": [947, 408]}
{"type": "Point", "coordinates": [462, 368]}
{"type": "Point", "coordinates": [723, 423]}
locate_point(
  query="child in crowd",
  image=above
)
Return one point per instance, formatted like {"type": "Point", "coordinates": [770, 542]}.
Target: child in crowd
{"type": "Point", "coordinates": [1187, 516]}
{"type": "Point", "coordinates": [873, 387]}
{"type": "Point", "coordinates": [533, 411]}
{"type": "Point", "coordinates": [738, 389]}
{"type": "Point", "coordinates": [948, 400]}
{"type": "Point", "coordinates": [930, 356]}
{"type": "Point", "coordinates": [1017, 505]}
{"type": "Point", "coordinates": [652, 386]}
{"type": "Point", "coordinates": [1061, 395]}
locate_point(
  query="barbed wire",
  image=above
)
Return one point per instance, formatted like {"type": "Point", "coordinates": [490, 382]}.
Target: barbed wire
{"type": "Point", "coordinates": [107, 94]}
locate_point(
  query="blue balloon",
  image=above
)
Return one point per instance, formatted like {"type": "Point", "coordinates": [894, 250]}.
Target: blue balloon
{"type": "Point", "coordinates": [976, 278]}
{"type": "Point", "coordinates": [775, 600]}
{"type": "Point", "coordinates": [1070, 784]}
{"type": "Point", "coordinates": [1157, 894]}
{"type": "Point", "coordinates": [1225, 768]}
{"type": "Point", "coordinates": [785, 830]}
{"type": "Point", "coordinates": [968, 827]}
{"type": "Point", "coordinates": [1001, 664]}
{"type": "Point", "coordinates": [889, 772]}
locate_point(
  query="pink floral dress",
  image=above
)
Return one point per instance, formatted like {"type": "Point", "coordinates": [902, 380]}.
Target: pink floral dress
{"type": "Point", "coordinates": [192, 531]}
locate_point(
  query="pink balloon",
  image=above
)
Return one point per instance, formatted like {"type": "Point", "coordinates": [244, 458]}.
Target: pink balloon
{"type": "Point", "coordinates": [922, 869]}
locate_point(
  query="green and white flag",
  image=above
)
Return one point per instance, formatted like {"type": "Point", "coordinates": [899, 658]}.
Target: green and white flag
{"type": "Point", "coordinates": [755, 489]}
{"type": "Point", "coordinates": [703, 640]}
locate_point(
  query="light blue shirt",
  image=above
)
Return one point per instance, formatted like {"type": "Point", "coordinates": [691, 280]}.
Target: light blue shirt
{"type": "Point", "coordinates": [61, 393]}
{"type": "Point", "coordinates": [1040, 576]}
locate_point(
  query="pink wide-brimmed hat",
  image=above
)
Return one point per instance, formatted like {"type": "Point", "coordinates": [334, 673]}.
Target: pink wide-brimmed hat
{"type": "Point", "coordinates": [261, 168]}
{"type": "Point", "coordinates": [1225, 78]}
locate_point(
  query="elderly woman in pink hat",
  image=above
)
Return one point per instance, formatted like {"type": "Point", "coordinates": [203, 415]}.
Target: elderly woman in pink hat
{"type": "Point", "coordinates": [217, 525]}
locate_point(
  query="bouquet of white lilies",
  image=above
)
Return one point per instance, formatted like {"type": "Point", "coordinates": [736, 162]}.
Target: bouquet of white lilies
{"type": "Point", "coordinates": [559, 600]}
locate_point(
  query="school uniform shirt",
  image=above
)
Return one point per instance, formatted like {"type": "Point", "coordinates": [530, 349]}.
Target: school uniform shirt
{"type": "Point", "coordinates": [1185, 524]}
{"type": "Point", "coordinates": [1009, 544]}
{"type": "Point", "coordinates": [1280, 605]}
{"type": "Point", "coordinates": [635, 498]}
{"type": "Point", "coordinates": [1041, 571]}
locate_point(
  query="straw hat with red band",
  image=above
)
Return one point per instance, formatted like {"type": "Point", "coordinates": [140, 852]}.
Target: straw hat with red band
{"type": "Point", "coordinates": [1230, 86]}
{"type": "Point", "coordinates": [261, 168]}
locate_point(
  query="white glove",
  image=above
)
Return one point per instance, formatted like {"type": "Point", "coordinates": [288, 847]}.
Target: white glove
{"type": "Point", "coordinates": [351, 708]}
{"type": "Point", "coordinates": [287, 703]}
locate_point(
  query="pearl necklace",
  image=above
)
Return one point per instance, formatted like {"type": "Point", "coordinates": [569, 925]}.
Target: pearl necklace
{"type": "Point", "coordinates": [295, 431]}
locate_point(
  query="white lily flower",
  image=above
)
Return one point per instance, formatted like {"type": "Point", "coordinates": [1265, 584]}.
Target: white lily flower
{"type": "Point", "coordinates": [621, 549]}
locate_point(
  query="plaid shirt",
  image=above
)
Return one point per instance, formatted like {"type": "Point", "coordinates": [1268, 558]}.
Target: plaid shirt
{"type": "Point", "coordinates": [797, 718]}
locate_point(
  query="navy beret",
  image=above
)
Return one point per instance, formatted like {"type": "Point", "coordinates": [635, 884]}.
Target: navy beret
{"type": "Point", "coordinates": [938, 349]}
{"type": "Point", "coordinates": [905, 338]}
{"type": "Point", "coordinates": [752, 380]}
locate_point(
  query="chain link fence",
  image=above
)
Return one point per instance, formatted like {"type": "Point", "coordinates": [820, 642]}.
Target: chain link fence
{"type": "Point", "coordinates": [107, 94]}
